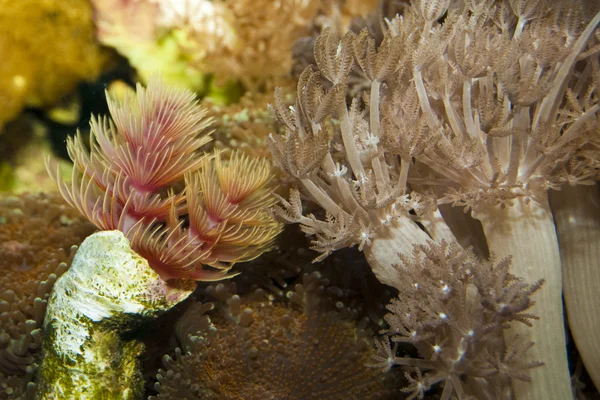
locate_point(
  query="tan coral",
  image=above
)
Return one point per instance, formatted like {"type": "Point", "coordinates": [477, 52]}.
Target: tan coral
{"type": "Point", "coordinates": [453, 308]}
{"type": "Point", "coordinates": [245, 41]}
{"type": "Point", "coordinates": [244, 125]}
{"type": "Point", "coordinates": [491, 134]}
{"type": "Point", "coordinates": [340, 14]}
{"type": "Point", "coordinates": [264, 33]}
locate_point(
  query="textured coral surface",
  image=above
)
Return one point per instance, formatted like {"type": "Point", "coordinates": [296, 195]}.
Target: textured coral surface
{"type": "Point", "coordinates": [36, 236]}
{"type": "Point", "coordinates": [258, 346]}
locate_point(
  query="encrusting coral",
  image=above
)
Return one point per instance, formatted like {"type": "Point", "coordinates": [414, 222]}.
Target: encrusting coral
{"type": "Point", "coordinates": [37, 235]}
{"type": "Point", "coordinates": [126, 182]}
{"type": "Point", "coordinates": [446, 121]}
{"type": "Point", "coordinates": [259, 346]}
{"type": "Point", "coordinates": [245, 125]}
{"type": "Point", "coordinates": [48, 47]}
{"type": "Point", "coordinates": [210, 46]}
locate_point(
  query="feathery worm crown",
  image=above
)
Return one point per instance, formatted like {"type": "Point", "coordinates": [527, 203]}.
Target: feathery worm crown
{"type": "Point", "coordinates": [128, 180]}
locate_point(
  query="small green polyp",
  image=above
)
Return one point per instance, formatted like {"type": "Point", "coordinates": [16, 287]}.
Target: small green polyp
{"type": "Point", "coordinates": [108, 291]}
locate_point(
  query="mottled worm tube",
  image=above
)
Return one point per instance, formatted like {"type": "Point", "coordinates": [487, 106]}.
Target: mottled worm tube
{"type": "Point", "coordinates": [108, 291]}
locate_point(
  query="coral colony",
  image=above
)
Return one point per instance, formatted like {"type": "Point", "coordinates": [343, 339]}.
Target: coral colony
{"type": "Point", "coordinates": [441, 157]}
{"type": "Point", "coordinates": [486, 110]}
{"type": "Point", "coordinates": [29, 30]}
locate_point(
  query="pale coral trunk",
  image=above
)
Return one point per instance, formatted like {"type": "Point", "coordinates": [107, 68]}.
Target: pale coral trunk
{"type": "Point", "coordinates": [398, 238]}
{"type": "Point", "coordinates": [526, 232]}
{"type": "Point", "coordinates": [577, 214]}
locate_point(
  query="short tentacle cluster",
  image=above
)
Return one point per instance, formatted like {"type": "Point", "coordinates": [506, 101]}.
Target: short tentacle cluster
{"type": "Point", "coordinates": [258, 346]}
{"type": "Point", "coordinates": [455, 310]}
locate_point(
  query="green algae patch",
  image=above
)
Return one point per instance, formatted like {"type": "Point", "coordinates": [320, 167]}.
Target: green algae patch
{"type": "Point", "coordinates": [111, 370]}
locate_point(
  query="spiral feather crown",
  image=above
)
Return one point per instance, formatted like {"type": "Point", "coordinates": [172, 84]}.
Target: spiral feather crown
{"type": "Point", "coordinates": [131, 176]}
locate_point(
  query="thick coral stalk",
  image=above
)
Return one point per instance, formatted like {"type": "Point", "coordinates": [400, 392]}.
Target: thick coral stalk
{"type": "Point", "coordinates": [526, 231]}
{"type": "Point", "coordinates": [107, 292]}
{"type": "Point", "coordinates": [398, 238]}
{"type": "Point", "coordinates": [577, 215]}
